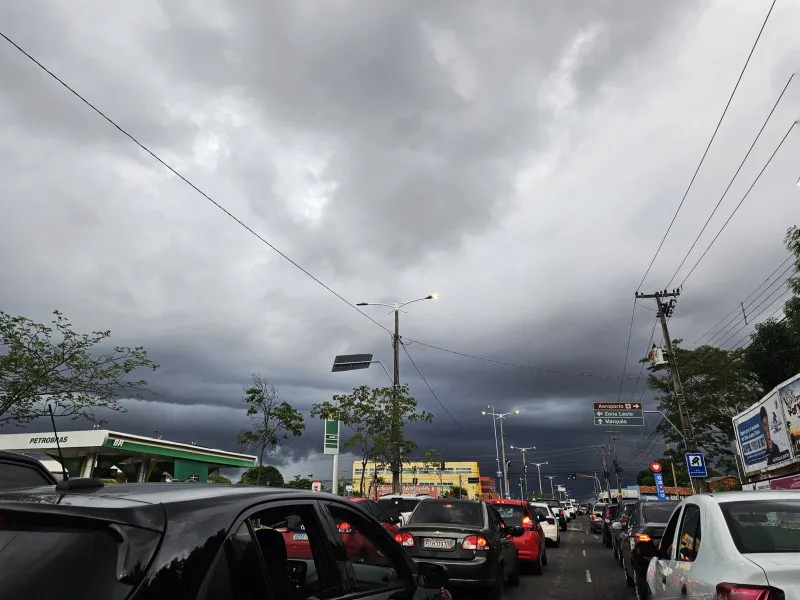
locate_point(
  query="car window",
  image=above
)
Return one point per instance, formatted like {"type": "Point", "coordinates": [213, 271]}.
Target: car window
{"type": "Point", "coordinates": [763, 526]}
{"type": "Point", "coordinates": [669, 533]}
{"type": "Point", "coordinates": [372, 559]}
{"type": "Point", "coordinates": [689, 536]}
{"type": "Point", "coordinates": [442, 511]}
{"type": "Point", "coordinates": [14, 475]}
{"type": "Point", "coordinates": [658, 512]}
{"type": "Point", "coordinates": [496, 522]}
{"type": "Point", "coordinates": [398, 505]}
{"type": "Point", "coordinates": [541, 511]}
{"type": "Point", "coordinates": [376, 511]}
{"type": "Point", "coordinates": [511, 514]}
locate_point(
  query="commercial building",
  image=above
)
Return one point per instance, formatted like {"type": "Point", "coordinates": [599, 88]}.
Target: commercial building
{"type": "Point", "coordinates": [465, 474]}
{"type": "Point", "coordinates": [103, 453]}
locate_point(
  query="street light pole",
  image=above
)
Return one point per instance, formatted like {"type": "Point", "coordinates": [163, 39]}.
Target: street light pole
{"type": "Point", "coordinates": [552, 492]}
{"type": "Point", "coordinates": [396, 430]}
{"type": "Point", "coordinates": [539, 469]}
{"type": "Point", "coordinates": [525, 466]}
{"type": "Point", "coordinates": [496, 446]}
{"type": "Point", "coordinates": [502, 416]}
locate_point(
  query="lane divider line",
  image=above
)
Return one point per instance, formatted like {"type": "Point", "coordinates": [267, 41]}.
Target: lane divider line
{"type": "Point", "coordinates": [588, 576]}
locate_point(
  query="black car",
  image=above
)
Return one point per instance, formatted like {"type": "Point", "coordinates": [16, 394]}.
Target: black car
{"type": "Point", "coordinates": [555, 505]}
{"type": "Point", "coordinates": [596, 517]}
{"type": "Point", "coordinates": [469, 538]}
{"type": "Point", "coordinates": [620, 525]}
{"type": "Point", "coordinates": [641, 539]}
{"type": "Point", "coordinates": [20, 471]}
{"type": "Point", "coordinates": [609, 514]}
{"type": "Point", "coordinates": [199, 541]}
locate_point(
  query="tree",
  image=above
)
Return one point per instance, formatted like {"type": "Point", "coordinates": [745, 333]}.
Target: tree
{"type": "Point", "coordinates": [302, 483]}
{"type": "Point", "coordinates": [432, 460]}
{"type": "Point", "coordinates": [456, 492]}
{"type": "Point", "coordinates": [56, 365]}
{"type": "Point", "coordinates": [218, 479]}
{"type": "Point", "coordinates": [267, 476]}
{"type": "Point", "coordinates": [367, 413]}
{"type": "Point", "coordinates": [271, 418]}
{"type": "Point", "coordinates": [717, 385]}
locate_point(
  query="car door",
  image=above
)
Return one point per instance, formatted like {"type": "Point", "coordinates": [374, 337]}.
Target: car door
{"type": "Point", "coordinates": [660, 570]}
{"type": "Point", "coordinates": [686, 550]}
{"type": "Point", "coordinates": [372, 564]}
{"type": "Point", "coordinates": [500, 539]}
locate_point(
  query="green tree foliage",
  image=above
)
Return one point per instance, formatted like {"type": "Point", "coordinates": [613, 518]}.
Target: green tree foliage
{"type": "Point", "coordinates": [267, 476]}
{"type": "Point", "coordinates": [456, 492]}
{"type": "Point", "coordinates": [432, 460]}
{"type": "Point", "coordinates": [271, 419]}
{"type": "Point", "coordinates": [301, 483]}
{"type": "Point", "coordinates": [366, 412]}
{"type": "Point", "coordinates": [218, 479]}
{"type": "Point", "coordinates": [71, 371]}
{"type": "Point", "coordinates": [717, 385]}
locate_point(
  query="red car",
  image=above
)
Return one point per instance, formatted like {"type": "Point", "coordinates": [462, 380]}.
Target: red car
{"type": "Point", "coordinates": [531, 544]}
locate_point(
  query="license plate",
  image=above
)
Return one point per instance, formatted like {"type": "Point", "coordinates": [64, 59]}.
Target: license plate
{"type": "Point", "coordinates": [300, 537]}
{"type": "Point", "coordinates": [438, 544]}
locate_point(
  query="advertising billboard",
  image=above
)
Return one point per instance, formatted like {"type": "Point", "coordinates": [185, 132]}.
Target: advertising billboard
{"type": "Point", "coordinates": [789, 393]}
{"type": "Point", "coordinates": [763, 435]}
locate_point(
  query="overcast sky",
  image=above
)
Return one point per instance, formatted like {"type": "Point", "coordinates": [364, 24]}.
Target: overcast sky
{"type": "Point", "coordinates": [521, 161]}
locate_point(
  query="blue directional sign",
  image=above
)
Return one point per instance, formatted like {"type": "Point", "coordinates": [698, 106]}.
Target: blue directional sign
{"type": "Point", "coordinates": [696, 463]}
{"type": "Point", "coordinates": [661, 493]}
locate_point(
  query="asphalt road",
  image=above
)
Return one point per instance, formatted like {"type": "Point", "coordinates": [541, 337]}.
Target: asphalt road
{"type": "Point", "coordinates": [582, 568]}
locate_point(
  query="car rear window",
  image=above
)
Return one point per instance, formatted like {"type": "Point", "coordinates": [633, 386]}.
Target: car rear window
{"type": "Point", "coordinates": [21, 476]}
{"type": "Point", "coordinates": [762, 527]}
{"type": "Point", "coordinates": [599, 509]}
{"type": "Point", "coordinates": [460, 513]}
{"type": "Point", "coordinates": [512, 513]}
{"type": "Point", "coordinates": [50, 561]}
{"type": "Point", "coordinates": [398, 505]}
{"type": "Point", "coordinates": [658, 512]}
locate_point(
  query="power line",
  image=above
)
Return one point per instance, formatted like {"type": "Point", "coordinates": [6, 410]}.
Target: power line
{"type": "Point", "coordinates": [738, 308]}
{"type": "Point", "coordinates": [730, 184]}
{"type": "Point", "coordinates": [514, 365]}
{"type": "Point", "coordinates": [708, 147]}
{"type": "Point", "coordinates": [747, 193]}
{"type": "Point", "coordinates": [627, 351]}
{"type": "Point", "coordinates": [782, 296]}
{"type": "Point", "coordinates": [189, 182]}
{"type": "Point", "coordinates": [641, 371]}
{"type": "Point", "coordinates": [425, 381]}
{"type": "Point", "coordinates": [775, 312]}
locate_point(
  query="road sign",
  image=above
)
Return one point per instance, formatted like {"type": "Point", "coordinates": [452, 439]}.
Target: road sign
{"type": "Point", "coordinates": [331, 444]}
{"type": "Point", "coordinates": [655, 467]}
{"type": "Point", "coordinates": [624, 414]}
{"type": "Point", "coordinates": [316, 486]}
{"type": "Point", "coordinates": [661, 493]}
{"type": "Point", "coordinates": [696, 463]}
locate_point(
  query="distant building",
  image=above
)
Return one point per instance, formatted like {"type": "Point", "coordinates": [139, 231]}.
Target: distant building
{"type": "Point", "coordinates": [465, 474]}
{"type": "Point", "coordinates": [488, 486]}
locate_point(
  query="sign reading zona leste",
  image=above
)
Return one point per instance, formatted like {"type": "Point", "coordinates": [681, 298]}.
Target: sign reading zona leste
{"type": "Point", "coordinates": [625, 414]}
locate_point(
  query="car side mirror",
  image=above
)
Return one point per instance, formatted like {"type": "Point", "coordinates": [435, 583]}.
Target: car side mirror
{"type": "Point", "coordinates": [616, 526]}
{"type": "Point", "coordinates": [432, 576]}
{"type": "Point", "coordinates": [395, 520]}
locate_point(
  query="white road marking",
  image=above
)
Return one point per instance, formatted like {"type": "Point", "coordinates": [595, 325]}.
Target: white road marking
{"type": "Point", "coordinates": [584, 555]}
{"type": "Point", "coordinates": [588, 576]}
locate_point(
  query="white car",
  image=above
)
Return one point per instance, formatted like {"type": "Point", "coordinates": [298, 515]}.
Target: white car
{"type": "Point", "coordinates": [401, 505]}
{"type": "Point", "coordinates": [572, 510]}
{"type": "Point", "coordinates": [750, 547]}
{"type": "Point", "coordinates": [548, 520]}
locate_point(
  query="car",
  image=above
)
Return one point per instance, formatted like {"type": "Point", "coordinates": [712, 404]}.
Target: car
{"type": "Point", "coordinates": [532, 544]}
{"type": "Point", "coordinates": [558, 511]}
{"type": "Point", "coordinates": [620, 524]}
{"type": "Point", "coordinates": [641, 539]}
{"type": "Point", "coordinates": [401, 505]}
{"type": "Point", "coordinates": [20, 471]}
{"type": "Point", "coordinates": [196, 541]}
{"type": "Point", "coordinates": [469, 539]}
{"type": "Point", "coordinates": [596, 517]}
{"type": "Point", "coordinates": [750, 547]}
{"type": "Point", "coordinates": [390, 522]}
{"type": "Point", "coordinates": [609, 514]}
{"type": "Point", "coordinates": [547, 520]}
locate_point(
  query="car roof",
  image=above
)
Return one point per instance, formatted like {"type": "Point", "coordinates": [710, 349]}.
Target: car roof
{"type": "Point", "coordinates": [740, 496]}
{"type": "Point", "coordinates": [507, 501]}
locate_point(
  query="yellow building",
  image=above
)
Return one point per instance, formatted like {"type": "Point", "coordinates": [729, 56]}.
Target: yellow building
{"type": "Point", "coordinates": [465, 474]}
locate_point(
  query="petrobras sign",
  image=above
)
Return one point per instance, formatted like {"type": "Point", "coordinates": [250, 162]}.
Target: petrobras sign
{"type": "Point", "coordinates": [31, 442]}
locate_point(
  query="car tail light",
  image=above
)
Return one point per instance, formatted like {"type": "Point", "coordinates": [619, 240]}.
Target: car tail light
{"type": "Point", "coordinates": [282, 529]}
{"type": "Point", "coordinates": [643, 537]}
{"type": "Point", "coordinates": [527, 523]}
{"type": "Point", "coordinates": [475, 542]}
{"type": "Point", "coordinates": [734, 591]}
{"type": "Point", "coordinates": [405, 539]}
{"type": "Point", "coordinates": [623, 521]}
{"type": "Point", "coordinates": [551, 520]}
{"type": "Point", "coordinates": [344, 527]}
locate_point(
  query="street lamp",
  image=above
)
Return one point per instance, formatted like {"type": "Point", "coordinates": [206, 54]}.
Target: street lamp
{"type": "Point", "coordinates": [496, 448]}
{"type": "Point", "coordinates": [539, 469]}
{"type": "Point", "coordinates": [502, 416]}
{"type": "Point", "coordinates": [525, 467]}
{"type": "Point", "coordinates": [397, 425]}
{"type": "Point", "coordinates": [552, 492]}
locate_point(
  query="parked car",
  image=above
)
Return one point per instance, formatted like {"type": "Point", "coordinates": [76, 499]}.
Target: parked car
{"type": "Point", "coordinates": [532, 544]}
{"type": "Point", "coordinates": [20, 471]}
{"type": "Point", "coordinates": [401, 505]}
{"type": "Point", "coordinates": [609, 514]}
{"type": "Point", "coordinates": [645, 528]}
{"type": "Point", "coordinates": [596, 517]}
{"type": "Point", "coordinates": [548, 522]}
{"type": "Point", "coordinates": [191, 541]}
{"type": "Point", "coordinates": [620, 525]}
{"type": "Point", "coordinates": [469, 539]}
{"type": "Point", "coordinates": [751, 547]}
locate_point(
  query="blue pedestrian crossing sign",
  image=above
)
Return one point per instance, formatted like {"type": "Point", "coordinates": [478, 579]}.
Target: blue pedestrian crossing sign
{"type": "Point", "coordinates": [696, 463]}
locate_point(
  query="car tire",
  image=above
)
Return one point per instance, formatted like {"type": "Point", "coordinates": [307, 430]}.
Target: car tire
{"type": "Point", "coordinates": [536, 567]}
{"type": "Point", "coordinates": [607, 542]}
{"type": "Point", "coordinates": [628, 579]}
{"type": "Point", "coordinates": [544, 557]}
{"type": "Point", "coordinates": [513, 578]}
{"type": "Point", "coordinates": [616, 554]}
{"type": "Point", "coordinates": [557, 543]}
{"type": "Point", "coordinates": [496, 590]}
{"type": "Point", "coordinates": [640, 587]}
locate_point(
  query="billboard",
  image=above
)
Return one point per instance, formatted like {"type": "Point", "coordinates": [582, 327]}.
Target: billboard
{"type": "Point", "coordinates": [762, 435]}
{"type": "Point", "coordinates": [789, 393]}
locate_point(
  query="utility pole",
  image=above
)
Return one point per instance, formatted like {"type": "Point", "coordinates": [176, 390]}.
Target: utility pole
{"type": "Point", "coordinates": [525, 467]}
{"type": "Point", "coordinates": [675, 479]}
{"type": "Point", "coordinates": [664, 311]}
{"type": "Point", "coordinates": [505, 464]}
{"type": "Point", "coordinates": [552, 493]}
{"type": "Point", "coordinates": [605, 472]}
{"type": "Point", "coordinates": [539, 469]}
{"type": "Point", "coordinates": [617, 469]}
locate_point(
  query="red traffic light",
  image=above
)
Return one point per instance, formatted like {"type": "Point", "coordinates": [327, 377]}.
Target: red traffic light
{"type": "Point", "coordinates": [655, 467]}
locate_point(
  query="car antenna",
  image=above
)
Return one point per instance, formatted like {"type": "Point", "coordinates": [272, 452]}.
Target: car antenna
{"type": "Point", "coordinates": [64, 474]}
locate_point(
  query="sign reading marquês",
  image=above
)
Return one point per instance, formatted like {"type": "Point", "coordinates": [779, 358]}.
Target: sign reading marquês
{"type": "Point", "coordinates": [47, 440]}
{"type": "Point", "coordinates": [625, 414]}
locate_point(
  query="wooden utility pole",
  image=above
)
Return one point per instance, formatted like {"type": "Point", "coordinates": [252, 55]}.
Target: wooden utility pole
{"type": "Point", "coordinates": [664, 311]}
{"type": "Point", "coordinates": [617, 469]}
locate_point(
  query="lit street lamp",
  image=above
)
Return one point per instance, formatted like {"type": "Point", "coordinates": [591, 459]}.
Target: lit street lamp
{"type": "Point", "coordinates": [397, 425]}
{"type": "Point", "coordinates": [502, 416]}
{"type": "Point", "coordinates": [525, 467]}
{"type": "Point", "coordinates": [552, 493]}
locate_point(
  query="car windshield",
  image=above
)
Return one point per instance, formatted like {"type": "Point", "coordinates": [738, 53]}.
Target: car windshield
{"type": "Point", "coordinates": [512, 513]}
{"type": "Point", "coordinates": [763, 527]}
{"type": "Point", "coordinates": [442, 511]}
{"type": "Point", "coordinates": [598, 509]}
{"type": "Point", "coordinates": [658, 512]}
{"type": "Point", "coordinates": [398, 505]}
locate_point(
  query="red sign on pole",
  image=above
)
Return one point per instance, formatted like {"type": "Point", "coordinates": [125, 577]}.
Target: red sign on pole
{"type": "Point", "coordinates": [655, 467]}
